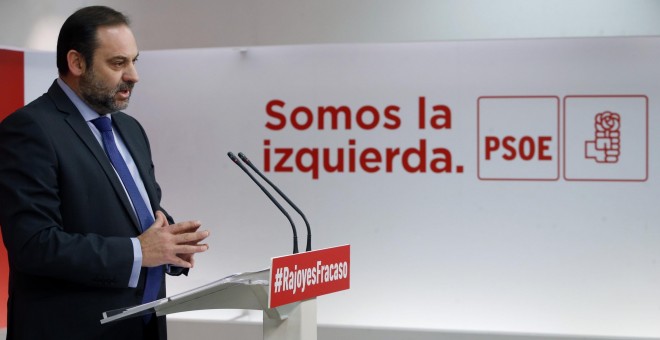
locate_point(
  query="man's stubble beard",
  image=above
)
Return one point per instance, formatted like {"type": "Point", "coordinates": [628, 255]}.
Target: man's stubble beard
{"type": "Point", "coordinates": [99, 96]}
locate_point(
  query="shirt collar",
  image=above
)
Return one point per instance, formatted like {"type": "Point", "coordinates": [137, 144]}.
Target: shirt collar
{"type": "Point", "coordinates": [87, 112]}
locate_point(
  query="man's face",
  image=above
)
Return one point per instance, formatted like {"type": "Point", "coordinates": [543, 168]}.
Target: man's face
{"type": "Point", "coordinates": [106, 86]}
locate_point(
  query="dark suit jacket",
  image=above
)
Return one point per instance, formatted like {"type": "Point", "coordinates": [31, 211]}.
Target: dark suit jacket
{"type": "Point", "coordinates": [67, 223]}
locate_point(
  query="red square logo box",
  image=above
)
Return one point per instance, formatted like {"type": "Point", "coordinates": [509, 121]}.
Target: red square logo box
{"type": "Point", "coordinates": [605, 138]}
{"type": "Point", "coordinates": [518, 138]}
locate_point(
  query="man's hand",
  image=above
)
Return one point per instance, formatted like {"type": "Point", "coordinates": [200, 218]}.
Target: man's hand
{"type": "Point", "coordinates": [171, 244]}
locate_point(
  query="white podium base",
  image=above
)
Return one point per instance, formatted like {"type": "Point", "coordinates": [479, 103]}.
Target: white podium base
{"type": "Point", "coordinates": [299, 325]}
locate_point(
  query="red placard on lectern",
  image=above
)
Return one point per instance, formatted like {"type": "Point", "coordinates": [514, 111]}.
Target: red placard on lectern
{"type": "Point", "coordinates": [307, 275]}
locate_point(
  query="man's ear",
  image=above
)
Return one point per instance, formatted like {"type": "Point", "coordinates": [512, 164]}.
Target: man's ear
{"type": "Point", "coordinates": [76, 62]}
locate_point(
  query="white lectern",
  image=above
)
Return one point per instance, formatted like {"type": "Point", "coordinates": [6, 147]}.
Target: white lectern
{"type": "Point", "coordinates": [286, 293]}
{"type": "Point", "coordinates": [294, 321]}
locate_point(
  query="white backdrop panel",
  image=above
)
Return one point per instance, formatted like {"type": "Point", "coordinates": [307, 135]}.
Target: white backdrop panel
{"type": "Point", "coordinates": [430, 250]}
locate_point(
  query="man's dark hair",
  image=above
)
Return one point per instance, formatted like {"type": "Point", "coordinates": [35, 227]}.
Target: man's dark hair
{"type": "Point", "coordinates": [79, 33]}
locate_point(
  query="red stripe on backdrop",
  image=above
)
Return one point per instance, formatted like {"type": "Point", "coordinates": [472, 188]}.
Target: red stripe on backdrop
{"type": "Point", "coordinates": [12, 97]}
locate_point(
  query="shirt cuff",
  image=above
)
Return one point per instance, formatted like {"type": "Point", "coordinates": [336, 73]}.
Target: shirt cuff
{"type": "Point", "coordinates": [137, 263]}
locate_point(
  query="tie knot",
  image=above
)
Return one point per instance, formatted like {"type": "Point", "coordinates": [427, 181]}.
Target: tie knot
{"type": "Point", "coordinates": [104, 124]}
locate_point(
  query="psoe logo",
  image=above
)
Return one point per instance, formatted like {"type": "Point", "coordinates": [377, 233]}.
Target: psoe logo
{"type": "Point", "coordinates": [518, 138]}
{"type": "Point", "coordinates": [605, 147]}
{"type": "Point", "coordinates": [606, 138]}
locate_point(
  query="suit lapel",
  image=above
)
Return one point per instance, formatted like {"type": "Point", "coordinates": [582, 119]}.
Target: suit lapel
{"type": "Point", "coordinates": [80, 127]}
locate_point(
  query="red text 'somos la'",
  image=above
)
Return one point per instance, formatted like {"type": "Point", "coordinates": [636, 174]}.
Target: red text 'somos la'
{"type": "Point", "coordinates": [343, 117]}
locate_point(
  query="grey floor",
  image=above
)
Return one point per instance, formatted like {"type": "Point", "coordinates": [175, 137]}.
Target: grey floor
{"type": "Point", "coordinates": [202, 330]}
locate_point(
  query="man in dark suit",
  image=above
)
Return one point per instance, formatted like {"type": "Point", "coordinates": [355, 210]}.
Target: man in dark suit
{"type": "Point", "coordinates": [73, 219]}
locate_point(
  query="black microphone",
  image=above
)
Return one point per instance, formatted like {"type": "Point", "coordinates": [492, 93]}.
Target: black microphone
{"type": "Point", "coordinates": [293, 226]}
{"type": "Point", "coordinates": [309, 230]}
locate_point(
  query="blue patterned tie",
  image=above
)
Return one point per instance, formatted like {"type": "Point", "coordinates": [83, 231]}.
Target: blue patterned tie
{"type": "Point", "coordinates": [154, 274]}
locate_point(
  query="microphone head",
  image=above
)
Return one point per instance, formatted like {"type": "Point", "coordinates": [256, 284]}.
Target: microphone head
{"type": "Point", "coordinates": [243, 157]}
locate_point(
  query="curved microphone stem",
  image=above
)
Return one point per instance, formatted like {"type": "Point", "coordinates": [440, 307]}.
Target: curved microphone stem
{"type": "Point", "coordinates": [309, 230]}
{"type": "Point", "coordinates": [293, 227]}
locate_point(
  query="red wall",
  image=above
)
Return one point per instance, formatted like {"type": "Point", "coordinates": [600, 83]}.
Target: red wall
{"type": "Point", "coordinates": [11, 98]}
